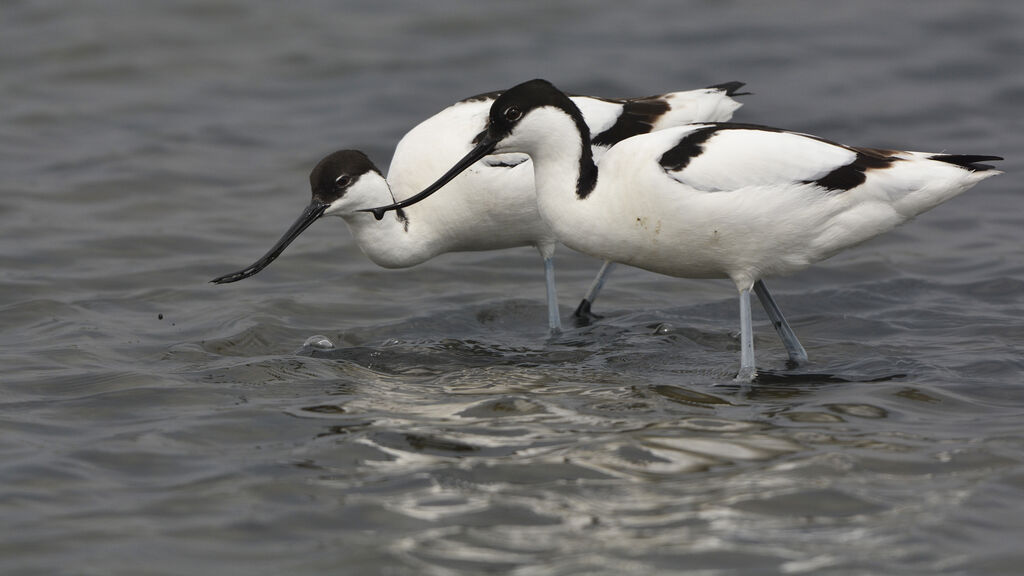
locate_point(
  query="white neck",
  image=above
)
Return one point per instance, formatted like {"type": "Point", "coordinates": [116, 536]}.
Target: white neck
{"type": "Point", "coordinates": [554, 142]}
{"type": "Point", "coordinates": [394, 241]}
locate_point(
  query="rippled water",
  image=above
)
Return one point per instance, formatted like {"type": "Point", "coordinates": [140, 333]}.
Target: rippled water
{"type": "Point", "coordinates": [152, 423]}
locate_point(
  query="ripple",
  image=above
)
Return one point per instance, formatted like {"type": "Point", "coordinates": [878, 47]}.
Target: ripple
{"type": "Point", "coordinates": [748, 447]}
{"type": "Point", "coordinates": [811, 504]}
{"type": "Point", "coordinates": [813, 417]}
{"type": "Point", "coordinates": [504, 408]}
{"type": "Point", "coordinates": [689, 397]}
{"type": "Point", "coordinates": [859, 410]}
{"type": "Point", "coordinates": [443, 431]}
{"type": "Point", "coordinates": [717, 425]}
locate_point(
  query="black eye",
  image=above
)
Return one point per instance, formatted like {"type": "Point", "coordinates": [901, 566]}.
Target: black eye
{"type": "Point", "coordinates": [513, 113]}
{"type": "Point", "coordinates": [342, 181]}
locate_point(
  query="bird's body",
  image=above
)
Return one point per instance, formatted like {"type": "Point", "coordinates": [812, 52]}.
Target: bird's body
{"type": "Point", "coordinates": [753, 202]}
{"type": "Point", "coordinates": [713, 200]}
{"type": "Point", "coordinates": [503, 213]}
{"type": "Point", "coordinates": [493, 204]}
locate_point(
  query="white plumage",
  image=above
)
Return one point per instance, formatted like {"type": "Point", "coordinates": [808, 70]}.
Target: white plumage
{"type": "Point", "coordinates": [493, 204]}
{"type": "Point", "coordinates": [714, 200]}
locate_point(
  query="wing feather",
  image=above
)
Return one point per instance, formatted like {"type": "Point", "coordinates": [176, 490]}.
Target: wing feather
{"type": "Point", "coordinates": [722, 157]}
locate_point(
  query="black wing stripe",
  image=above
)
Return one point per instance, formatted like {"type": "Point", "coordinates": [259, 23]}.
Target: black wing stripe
{"type": "Point", "coordinates": [841, 178]}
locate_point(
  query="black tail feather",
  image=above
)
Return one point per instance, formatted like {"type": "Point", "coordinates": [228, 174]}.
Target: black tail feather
{"type": "Point", "coordinates": [969, 161]}
{"type": "Point", "coordinates": [730, 88]}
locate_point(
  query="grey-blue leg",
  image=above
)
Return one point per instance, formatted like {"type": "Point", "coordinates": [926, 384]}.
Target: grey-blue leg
{"type": "Point", "coordinates": [747, 370]}
{"type": "Point", "coordinates": [583, 310]}
{"type": "Point", "coordinates": [789, 340]}
{"type": "Point", "coordinates": [554, 321]}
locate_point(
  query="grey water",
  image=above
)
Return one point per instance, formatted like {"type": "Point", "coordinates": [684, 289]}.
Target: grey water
{"type": "Point", "coordinates": [153, 423]}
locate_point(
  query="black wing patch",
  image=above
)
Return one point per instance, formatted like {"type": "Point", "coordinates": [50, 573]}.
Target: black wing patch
{"type": "Point", "coordinates": [692, 145]}
{"type": "Point", "coordinates": [851, 175]}
{"type": "Point", "coordinates": [638, 116]}
{"type": "Point", "coordinates": [969, 161]}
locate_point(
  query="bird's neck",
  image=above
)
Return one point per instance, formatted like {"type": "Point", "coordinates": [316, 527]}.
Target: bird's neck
{"type": "Point", "coordinates": [392, 242]}
{"type": "Point", "coordinates": [565, 175]}
{"type": "Point", "coordinates": [562, 156]}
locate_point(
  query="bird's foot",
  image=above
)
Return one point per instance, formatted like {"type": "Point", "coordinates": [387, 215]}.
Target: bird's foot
{"type": "Point", "coordinates": [583, 315]}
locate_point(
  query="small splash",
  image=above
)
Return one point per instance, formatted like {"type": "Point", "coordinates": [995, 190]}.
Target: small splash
{"type": "Point", "coordinates": [318, 342]}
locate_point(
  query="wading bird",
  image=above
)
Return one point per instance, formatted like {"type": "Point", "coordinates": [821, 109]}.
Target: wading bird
{"type": "Point", "coordinates": [711, 200]}
{"type": "Point", "coordinates": [493, 205]}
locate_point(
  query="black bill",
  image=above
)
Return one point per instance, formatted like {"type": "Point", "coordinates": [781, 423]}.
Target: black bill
{"type": "Point", "coordinates": [312, 212]}
{"type": "Point", "coordinates": [483, 148]}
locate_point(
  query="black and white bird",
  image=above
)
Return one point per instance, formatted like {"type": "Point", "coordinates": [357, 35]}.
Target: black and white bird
{"type": "Point", "coordinates": [711, 200]}
{"type": "Point", "coordinates": [493, 205]}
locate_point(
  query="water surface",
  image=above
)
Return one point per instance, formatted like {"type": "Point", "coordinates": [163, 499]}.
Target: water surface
{"type": "Point", "coordinates": [152, 423]}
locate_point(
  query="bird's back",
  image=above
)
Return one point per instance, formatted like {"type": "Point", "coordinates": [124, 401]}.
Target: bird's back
{"type": "Point", "coordinates": [750, 201]}
{"type": "Point", "coordinates": [492, 205]}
